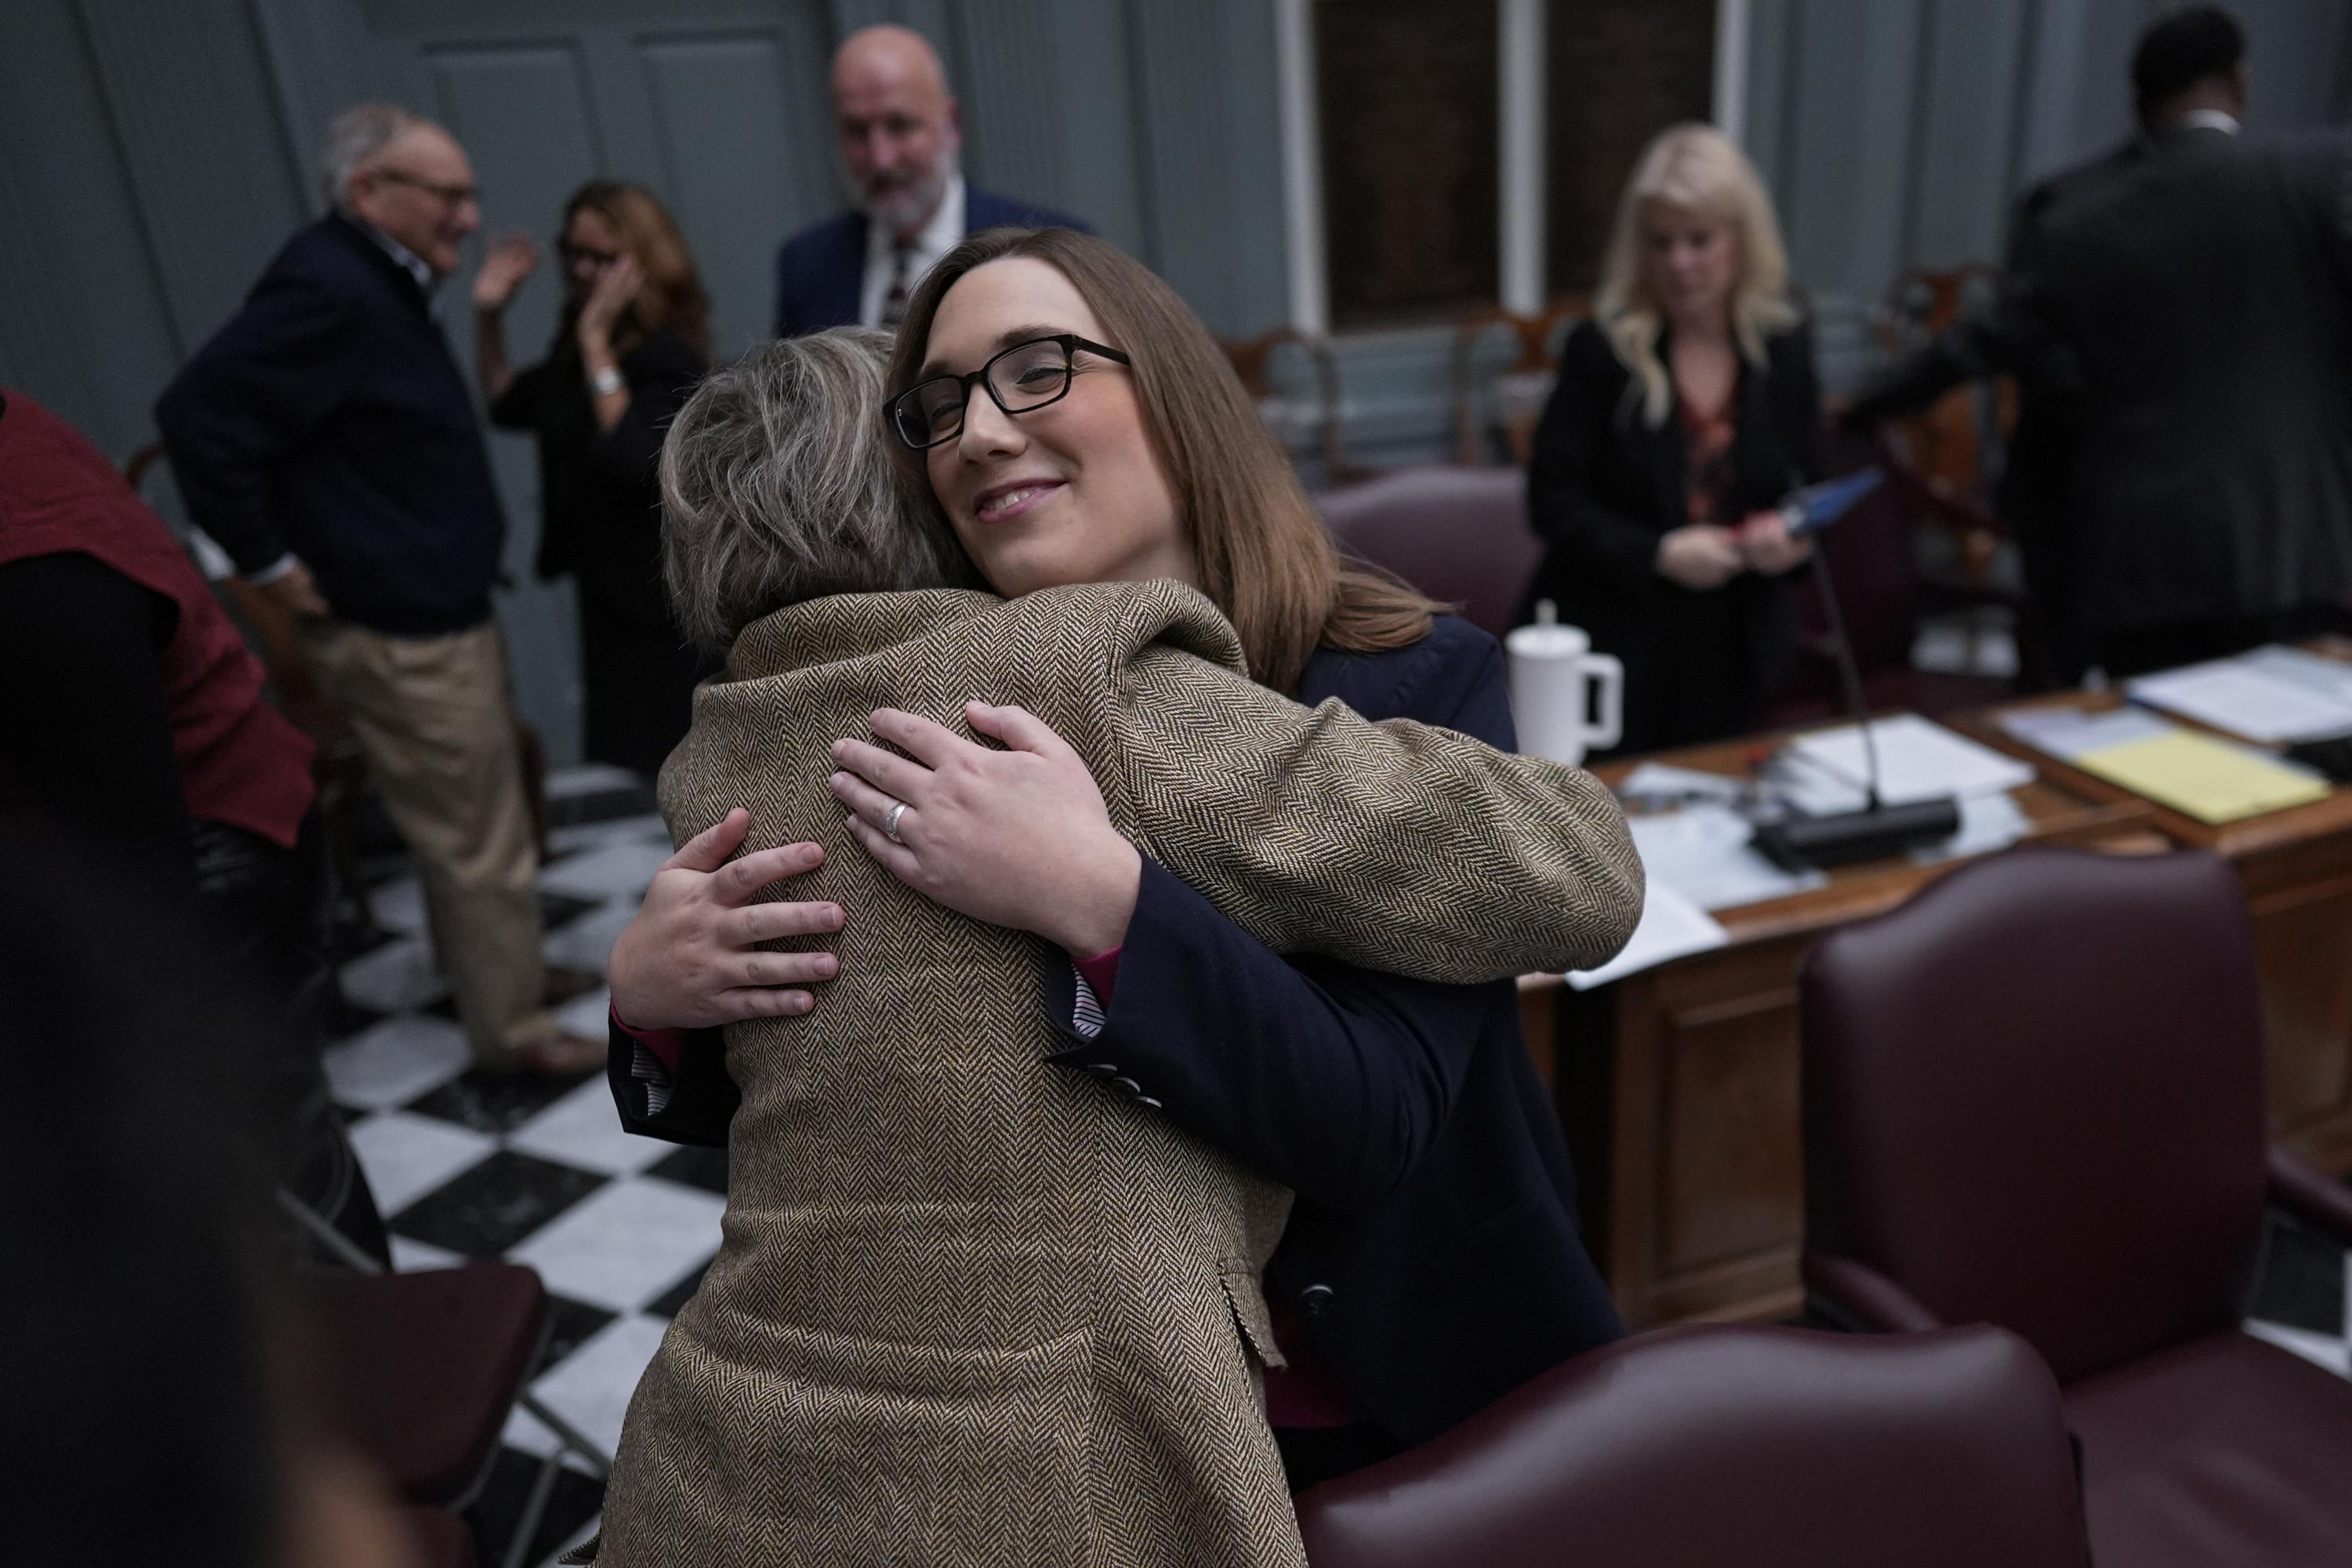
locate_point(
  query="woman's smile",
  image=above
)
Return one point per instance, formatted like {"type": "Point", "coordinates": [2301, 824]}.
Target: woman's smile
{"type": "Point", "coordinates": [1016, 498]}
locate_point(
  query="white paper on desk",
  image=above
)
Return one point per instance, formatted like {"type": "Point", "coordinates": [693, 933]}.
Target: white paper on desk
{"type": "Point", "coordinates": [1663, 781]}
{"type": "Point", "coordinates": [1917, 760]}
{"type": "Point", "coordinates": [1672, 927]}
{"type": "Point", "coordinates": [2332, 676]}
{"type": "Point", "coordinates": [1987, 822]}
{"type": "Point", "coordinates": [1802, 785]}
{"type": "Point", "coordinates": [2270, 695]}
{"type": "Point", "coordinates": [2068, 732]}
{"type": "Point", "coordinates": [1702, 852]}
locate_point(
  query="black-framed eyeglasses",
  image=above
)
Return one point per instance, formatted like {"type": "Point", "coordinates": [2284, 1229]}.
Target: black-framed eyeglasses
{"type": "Point", "coordinates": [1026, 377]}
{"type": "Point", "coordinates": [456, 195]}
{"type": "Point", "coordinates": [573, 255]}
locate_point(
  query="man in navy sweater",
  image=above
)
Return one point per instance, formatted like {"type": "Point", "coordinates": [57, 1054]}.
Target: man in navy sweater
{"type": "Point", "coordinates": [900, 134]}
{"type": "Point", "coordinates": [325, 439]}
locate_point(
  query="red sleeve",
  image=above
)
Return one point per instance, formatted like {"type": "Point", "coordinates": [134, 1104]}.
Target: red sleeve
{"type": "Point", "coordinates": [665, 1043]}
{"type": "Point", "coordinates": [1101, 974]}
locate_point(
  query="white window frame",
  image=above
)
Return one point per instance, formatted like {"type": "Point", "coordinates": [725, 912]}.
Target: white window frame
{"type": "Point", "coordinates": [1520, 128]}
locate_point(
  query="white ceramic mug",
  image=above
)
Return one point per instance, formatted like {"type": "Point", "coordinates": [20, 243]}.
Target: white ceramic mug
{"type": "Point", "coordinates": [1554, 673]}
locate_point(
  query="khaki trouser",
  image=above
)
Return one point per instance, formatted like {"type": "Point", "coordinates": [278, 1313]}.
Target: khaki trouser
{"type": "Point", "coordinates": [434, 719]}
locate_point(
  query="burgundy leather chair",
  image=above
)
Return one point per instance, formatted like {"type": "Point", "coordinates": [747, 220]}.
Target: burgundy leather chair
{"type": "Point", "coordinates": [435, 1538]}
{"type": "Point", "coordinates": [1458, 534]}
{"type": "Point", "coordinates": [1734, 1447]}
{"type": "Point", "coordinates": [422, 1369]}
{"type": "Point", "coordinates": [2033, 1096]}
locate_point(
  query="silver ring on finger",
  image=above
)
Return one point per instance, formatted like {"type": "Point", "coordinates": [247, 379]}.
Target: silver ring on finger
{"type": "Point", "coordinates": [890, 822]}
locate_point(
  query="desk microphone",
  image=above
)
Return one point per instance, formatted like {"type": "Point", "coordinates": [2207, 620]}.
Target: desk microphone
{"type": "Point", "coordinates": [1877, 830]}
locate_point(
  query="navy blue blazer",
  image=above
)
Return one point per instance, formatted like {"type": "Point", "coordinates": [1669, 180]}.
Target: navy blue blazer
{"type": "Point", "coordinates": [1433, 1256]}
{"type": "Point", "coordinates": [820, 270]}
{"type": "Point", "coordinates": [327, 418]}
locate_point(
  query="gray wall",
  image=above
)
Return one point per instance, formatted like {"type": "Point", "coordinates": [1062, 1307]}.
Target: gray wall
{"type": "Point", "coordinates": [153, 158]}
{"type": "Point", "coordinates": [1896, 134]}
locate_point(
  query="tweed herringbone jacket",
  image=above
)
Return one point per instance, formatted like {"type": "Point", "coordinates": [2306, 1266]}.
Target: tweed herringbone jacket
{"type": "Point", "coordinates": [973, 1308]}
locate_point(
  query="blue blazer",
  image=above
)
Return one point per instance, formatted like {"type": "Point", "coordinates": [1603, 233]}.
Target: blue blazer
{"type": "Point", "coordinates": [1433, 1256]}
{"type": "Point", "coordinates": [327, 418]}
{"type": "Point", "coordinates": [820, 270]}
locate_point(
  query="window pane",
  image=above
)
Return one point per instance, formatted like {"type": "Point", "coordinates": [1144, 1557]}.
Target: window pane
{"type": "Point", "coordinates": [1408, 96]}
{"type": "Point", "coordinates": [1621, 71]}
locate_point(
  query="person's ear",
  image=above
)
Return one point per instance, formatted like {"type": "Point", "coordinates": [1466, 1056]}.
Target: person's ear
{"type": "Point", "coordinates": [955, 123]}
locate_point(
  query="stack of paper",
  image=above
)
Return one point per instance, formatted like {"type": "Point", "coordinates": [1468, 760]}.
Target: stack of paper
{"type": "Point", "coordinates": [2203, 777]}
{"type": "Point", "coordinates": [1917, 760]}
{"type": "Point", "coordinates": [1987, 822]}
{"type": "Point", "coordinates": [1663, 784]}
{"type": "Point", "coordinates": [2070, 733]}
{"type": "Point", "coordinates": [1702, 853]}
{"type": "Point", "coordinates": [2272, 694]}
{"type": "Point", "coordinates": [2199, 776]}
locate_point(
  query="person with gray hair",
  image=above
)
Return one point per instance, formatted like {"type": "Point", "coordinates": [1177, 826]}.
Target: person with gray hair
{"type": "Point", "coordinates": [776, 488]}
{"type": "Point", "coordinates": [969, 1308]}
{"type": "Point", "coordinates": [325, 437]}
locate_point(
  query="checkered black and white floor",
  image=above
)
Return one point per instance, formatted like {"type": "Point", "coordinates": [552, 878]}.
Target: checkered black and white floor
{"type": "Point", "coordinates": [621, 1227]}
{"type": "Point", "coordinates": [539, 1172]}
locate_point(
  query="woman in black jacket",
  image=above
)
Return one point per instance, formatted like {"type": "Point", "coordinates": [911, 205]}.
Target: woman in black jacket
{"type": "Point", "coordinates": [633, 339]}
{"type": "Point", "coordinates": [1686, 411]}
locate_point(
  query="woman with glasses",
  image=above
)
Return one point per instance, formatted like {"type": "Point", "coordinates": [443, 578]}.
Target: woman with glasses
{"type": "Point", "coordinates": [1432, 1262]}
{"type": "Point", "coordinates": [631, 341]}
{"type": "Point", "coordinates": [970, 1308]}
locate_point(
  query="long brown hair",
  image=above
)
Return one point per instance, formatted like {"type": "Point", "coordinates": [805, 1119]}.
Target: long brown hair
{"type": "Point", "coordinates": [1265, 558]}
{"type": "Point", "coordinates": [671, 296]}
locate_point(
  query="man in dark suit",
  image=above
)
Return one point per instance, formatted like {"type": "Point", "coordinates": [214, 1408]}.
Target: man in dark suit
{"type": "Point", "coordinates": [2198, 304]}
{"type": "Point", "coordinates": [900, 133]}
{"type": "Point", "coordinates": [325, 439]}
{"type": "Point", "coordinates": [2030, 494]}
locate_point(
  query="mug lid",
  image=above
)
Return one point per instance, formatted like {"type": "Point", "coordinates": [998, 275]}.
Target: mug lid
{"type": "Point", "coordinates": [1548, 641]}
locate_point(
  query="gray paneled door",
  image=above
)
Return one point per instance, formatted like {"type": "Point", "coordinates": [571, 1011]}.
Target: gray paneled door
{"type": "Point", "coordinates": [719, 106]}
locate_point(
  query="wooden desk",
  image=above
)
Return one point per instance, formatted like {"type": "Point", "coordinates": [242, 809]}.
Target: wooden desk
{"type": "Point", "coordinates": [1678, 1085]}
{"type": "Point", "coordinates": [2297, 867]}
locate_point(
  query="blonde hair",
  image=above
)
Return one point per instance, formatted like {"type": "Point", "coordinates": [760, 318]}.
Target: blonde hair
{"type": "Point", "coordinates": [1265, 558]}
{"type": "Point", "coordinates": [1698, 167]}
{"type": "Point", "coordinates": [776, 487]}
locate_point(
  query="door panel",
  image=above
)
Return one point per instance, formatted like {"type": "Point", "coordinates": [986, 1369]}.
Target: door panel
{"type": "Point", "coordinates": [718, 106]}
{"type": "Point", "coordinates": [736, 146]}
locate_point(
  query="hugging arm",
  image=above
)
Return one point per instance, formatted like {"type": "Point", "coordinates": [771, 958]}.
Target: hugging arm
{"type": "Point", "coordinates": [1331, 1080]}
{"type": "Point", "coordinates": [1396, 845]}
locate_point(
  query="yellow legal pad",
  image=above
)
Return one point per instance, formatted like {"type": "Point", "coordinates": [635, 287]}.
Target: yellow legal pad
{"type": "Point", "coordinates": [2209, 779]}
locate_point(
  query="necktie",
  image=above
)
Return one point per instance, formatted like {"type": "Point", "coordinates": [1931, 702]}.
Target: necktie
{"type": "Point", "coordinates": [894, 304]}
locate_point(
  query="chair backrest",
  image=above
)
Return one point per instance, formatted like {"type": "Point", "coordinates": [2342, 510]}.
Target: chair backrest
{"type": "Point", "coordinates": [2033, 1096]}
{"type": "Point", "coordinates": [1520, 384]}
{"type": "Point", "coordinates": [1252, 359]}
{"type": "Point", "coordinates": [1945, 443]}
{"type": "Point", "coordinates": [1459, 535]}
{"type": "Point", "coordinates": [1735, 1448]}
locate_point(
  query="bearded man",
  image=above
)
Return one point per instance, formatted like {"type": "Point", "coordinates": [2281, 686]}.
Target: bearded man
{"type": "Point", "coordinates": [900, 135]}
